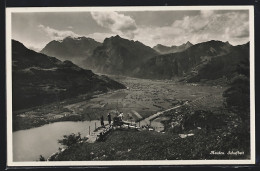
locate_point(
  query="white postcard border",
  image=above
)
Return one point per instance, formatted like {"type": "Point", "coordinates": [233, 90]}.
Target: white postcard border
{"type": "Point", "coordinates": [10, 161]}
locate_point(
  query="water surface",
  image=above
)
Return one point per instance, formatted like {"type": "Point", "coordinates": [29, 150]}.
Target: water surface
{"type": "Point", "coordinates": [29, 144]}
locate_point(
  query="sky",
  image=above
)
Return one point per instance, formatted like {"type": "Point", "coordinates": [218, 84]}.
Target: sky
{"type": "Point", "coordinates": [168, 28]}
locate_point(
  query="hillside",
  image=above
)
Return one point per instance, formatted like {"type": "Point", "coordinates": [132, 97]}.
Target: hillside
{"type": "Point", "coordinates": [119, 56]}
{"type": "Point", "coordinates": [73, 49]}
{"type": "Point", "coordinates": [204, 61]}
{"type": "Point", "coordinates": [173, 49]}
{"type": "Point", "coordinates": [39, 79]}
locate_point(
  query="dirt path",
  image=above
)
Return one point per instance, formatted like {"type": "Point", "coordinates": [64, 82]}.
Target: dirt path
{"type": "Point", "coordinates": [147, 120]}
{"type": "Point", "coordinates": [137, 114]}
{"type": "Point", "coordinates": [93, 136]}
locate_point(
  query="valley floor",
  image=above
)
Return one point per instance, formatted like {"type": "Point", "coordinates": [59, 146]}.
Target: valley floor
{"type": "Point", "coordinates": [141, 99]}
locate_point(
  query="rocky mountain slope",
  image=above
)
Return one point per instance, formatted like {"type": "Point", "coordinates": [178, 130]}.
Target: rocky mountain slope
{"type": "Point", "coordinates": [119, 56]}
{"type": "Point", "coordinates": [38, 79]}
{"type": "Point", "coordinates": [173, 49]}
{"type": "Point", "coordinates": [204, 61]}
{"type": "Point", "coordinates": [73, 49]}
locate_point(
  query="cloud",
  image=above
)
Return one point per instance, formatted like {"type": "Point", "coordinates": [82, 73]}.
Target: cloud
{"type": "Point", "coordinates": [54, 34]}
{"type": "Point", "coordinates": [57, 34]}
{"type": "Point", "coordinates": [230, 26]}
{"type": "Point", "coordinates": [117, 23]}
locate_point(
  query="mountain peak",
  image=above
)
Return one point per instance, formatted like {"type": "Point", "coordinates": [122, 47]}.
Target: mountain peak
{"type": "Point", "coordinates": [75, 49]}
{"type": "Point", "coordinates": [117, 36]}
{"type": "Point", "coordinates": [68, 38]}
{"type": "Point", "coordinates": [227, 43]}
{"type": "Point", "coordinates": [189, 43]}
{"type": "Point", "coordinates": [80, 38]}
{"type": "Point", "coordinates": [19, 46]}
{"type": "Point", "coordinates": [71, 38]}
{"type": "Point", "coordinates": [113, 38]}
{"type": "Point", "coordinates": [17, 42]}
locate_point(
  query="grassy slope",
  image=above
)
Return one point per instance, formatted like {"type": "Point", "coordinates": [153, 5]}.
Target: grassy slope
{"type": "Point", "coordinates": [220, 131]}
{"type": "Point", "coordinates": [150, 145]}
{"type": "Point", "coordinates": [130, 145]}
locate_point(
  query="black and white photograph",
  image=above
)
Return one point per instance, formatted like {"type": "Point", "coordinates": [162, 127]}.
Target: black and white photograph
{"type": "Point", "coordinates": [130, 85]}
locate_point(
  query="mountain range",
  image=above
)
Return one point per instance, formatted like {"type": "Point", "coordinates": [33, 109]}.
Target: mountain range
{"type": "Point", "coordinates": [38, 79]}
{"type": "Point", "coordinates": [211, 60]}
{"type": "Point", "coordinates": [204, 61]}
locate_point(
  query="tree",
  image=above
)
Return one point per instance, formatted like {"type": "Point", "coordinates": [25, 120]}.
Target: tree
{"type": "Point", "coordinates": [237, 97]}
{"type": "Point", "coordinates": [69, 140]}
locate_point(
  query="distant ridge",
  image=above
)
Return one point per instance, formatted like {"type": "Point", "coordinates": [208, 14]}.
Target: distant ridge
{"type": "Point", "coordinates": [211, 60]}
{"type": "Point", "coordinates": [173, 49]}
{"type": "Point", "coordinates": [74, 49]}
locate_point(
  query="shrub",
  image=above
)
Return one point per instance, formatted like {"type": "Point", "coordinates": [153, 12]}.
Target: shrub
{"type": "Point", "coordinates": [41, 158]}
{"type": "Point", "coordinates": [69, 140]}
{"type": "Point", "coordinates": [204, 119]}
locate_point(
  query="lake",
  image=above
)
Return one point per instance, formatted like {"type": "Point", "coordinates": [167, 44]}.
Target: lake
{"type": "Point", "coordinates": [29, 144]}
